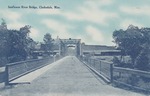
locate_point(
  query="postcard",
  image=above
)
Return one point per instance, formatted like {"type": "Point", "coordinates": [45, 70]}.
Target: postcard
{"type": "Point", "coordinates": [74, 48]}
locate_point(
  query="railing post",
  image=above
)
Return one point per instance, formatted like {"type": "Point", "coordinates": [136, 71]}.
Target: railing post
{"type": "Point", "coordinates": [89, 62]}
{"type": "Point", "coordinates": [6, 76]}
{"type": "Point", "coordinates": [54, 58]}
{"type": "Point", "coordinates": [94, 63]}
{"type": "Point", "coordinates": [86, 59]}
{"type": "Point", "coordinates": [111, 73]}
{"type": "Point", "coordinates": [100, 66]}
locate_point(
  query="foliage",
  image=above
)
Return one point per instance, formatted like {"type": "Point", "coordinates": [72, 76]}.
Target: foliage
{"type": "Point", "coordinates": [18, 44]}
{"type": "Point", "coordinates": [142, 61]}
{"type": "Point", "coordinates": [48, 44]}
{"type": "Point", "coordinates": [121, 63]}
{"type": "Point", "coordinates": [133, 42]}
{"type": "Point", "coordinates": [116, 61]}
{"type": "Point", "coordinates": [14, 43]}
{"type": "Point", "coordinates": [3, 43]}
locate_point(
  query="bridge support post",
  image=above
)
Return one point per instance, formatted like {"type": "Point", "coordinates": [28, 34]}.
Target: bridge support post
{"type": "Point", "coordinates": [111, 73]}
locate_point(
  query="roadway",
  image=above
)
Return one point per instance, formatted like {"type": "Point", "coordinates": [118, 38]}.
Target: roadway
{"type": "Point", "coordinates": [67, 77]}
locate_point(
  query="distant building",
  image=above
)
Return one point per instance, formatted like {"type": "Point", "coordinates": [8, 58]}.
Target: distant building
{"type": "Point", "coordinates": [99, 50]}
{"type": "Point", "coordinates": [96, 50]}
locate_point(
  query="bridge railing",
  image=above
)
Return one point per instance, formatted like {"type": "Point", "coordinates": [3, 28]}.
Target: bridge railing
{"type": "Point", "coordinates": [2, 77]}
{"type": "Point", "coordinates": [121, 77]}
{"type": "Point", "coordinates": [132, 78]}
{"type": "Point", "coordinates": [102, 67]}
{"type": "Point", "coordinates": [18, 69]}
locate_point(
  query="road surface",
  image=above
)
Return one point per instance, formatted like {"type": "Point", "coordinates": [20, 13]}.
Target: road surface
{"type": "Point", "coordinates": [69, 77]}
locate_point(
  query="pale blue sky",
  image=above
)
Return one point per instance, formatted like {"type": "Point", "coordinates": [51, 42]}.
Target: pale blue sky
{"type": "Point", "coordinates": [93, 21]}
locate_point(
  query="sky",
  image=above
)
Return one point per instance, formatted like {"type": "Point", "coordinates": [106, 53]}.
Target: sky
{"type": "Point", "coordinates": [92, 21]}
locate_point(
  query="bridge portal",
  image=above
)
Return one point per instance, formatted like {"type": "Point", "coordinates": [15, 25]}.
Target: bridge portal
{"type": "Point", "coordinates": [70, 46]}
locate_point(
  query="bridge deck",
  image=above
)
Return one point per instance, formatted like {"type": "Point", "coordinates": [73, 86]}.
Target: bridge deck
{"type": "Point", "coordinates": [69, 77]}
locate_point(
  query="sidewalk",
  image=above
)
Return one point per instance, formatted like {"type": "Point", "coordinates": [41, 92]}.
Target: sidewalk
{"type": "Point", "coordinates": [68, 77]}
{"type": "Point", "coordinates": [28, 78]}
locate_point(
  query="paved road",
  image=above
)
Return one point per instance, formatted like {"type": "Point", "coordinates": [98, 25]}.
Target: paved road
{"type": "Point", "coordinates": [67, 78]}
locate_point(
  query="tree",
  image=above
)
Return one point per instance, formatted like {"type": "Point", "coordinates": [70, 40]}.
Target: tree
{"type": "Point", "coordinates": [3, 45]}
{"type": "Point", "coordinates": [48, 42]}
{"type": "Point", "coordinates": [15, 45]}
{"type": "Point", "coordinates": [143, 59]}
{"type": "Point", "coordinates": [129, 41]}
{"type": "Point", "coordinates": [18, 44]}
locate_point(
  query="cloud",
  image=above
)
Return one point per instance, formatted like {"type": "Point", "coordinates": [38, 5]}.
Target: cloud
{"type": "Point", "coordinates": [11, 15]}
{"type": "Point", "coordinates": [124, 24]}
{"type": "Point", "coordinates": [99, 2]}
{"type": "Point", "coordinates": [94, 34]}
{"type": "Point", "coordinates": [49, 12]}
{"type": "Point", "coordinates": [13, 19]}
{"type": "Point", "coordinates": [34, 33]}
{"type": "Point", "coordinates": [60, 29]}
{"type": "Point", "coordinates": [143, 10]}
{"type": "Point", "coordinates": [15, 25]}
{"type": "Point", "coordinates": [92, 12]}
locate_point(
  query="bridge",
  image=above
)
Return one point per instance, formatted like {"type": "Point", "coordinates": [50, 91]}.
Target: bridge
{"type": "Point", "coordinates": [71, 75]}
{"type": "Point", "coordinates": [65, 77]}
